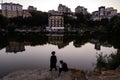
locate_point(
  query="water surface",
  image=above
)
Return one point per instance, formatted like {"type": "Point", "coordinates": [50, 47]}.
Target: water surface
{"type": "Point", "coordinates": [35, 52]}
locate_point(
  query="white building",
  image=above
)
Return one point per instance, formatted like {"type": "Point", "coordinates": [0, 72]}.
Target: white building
{"type": "Point", "coordinates": [110, 12]}
{"type": "Point", "coordinates": [11, 10]}
{"type": "Point", "coordinates": [95, 15]}
{"type": "Point", "coordinates": [56, 22]}
{"type": "Point", "coordinates": [81, 9]}
{"type": "Point", "coordinates": [103, 13]}
{"type": "Point", "coordinates": [63, 9]}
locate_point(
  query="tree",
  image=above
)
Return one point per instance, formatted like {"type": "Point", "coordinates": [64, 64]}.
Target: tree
{"type": "Point", "coordinates": [101, 61]}
{"type": "Point", "coordinates": [3, 21]}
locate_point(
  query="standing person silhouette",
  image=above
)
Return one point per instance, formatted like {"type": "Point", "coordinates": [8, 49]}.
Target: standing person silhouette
{"type": "Point", "coordinates": [53, 61]}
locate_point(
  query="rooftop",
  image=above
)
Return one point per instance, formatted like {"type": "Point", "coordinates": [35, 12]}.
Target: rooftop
{"type": "Point", "coordinates": [11, 4]}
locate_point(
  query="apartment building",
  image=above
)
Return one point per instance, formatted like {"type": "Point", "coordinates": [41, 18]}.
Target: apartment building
{"type": "Point", "coordinates": [11, 10]}
{"type": "Point", "coordinates": [81, 9]}
{"type": "Point", "coordinates": [55, 22]}
{"type": "Point", "coordinates": [63, 9]}
{"type": "Point", "coordinates": [103, 13]}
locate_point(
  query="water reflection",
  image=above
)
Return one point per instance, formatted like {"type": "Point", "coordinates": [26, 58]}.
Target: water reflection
{"type": "Point", "coordinates": [16, 43]}
{"type": "Point", "coordinates": [15, 47]}
{"type": "Point", "coordinates": [57, 39]}
{"type": "Point", "coordinates": [33, 50]}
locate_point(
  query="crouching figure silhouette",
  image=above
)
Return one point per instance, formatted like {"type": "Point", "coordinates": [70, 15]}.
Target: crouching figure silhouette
{"type": "Point", "coordinates": [62, 67]}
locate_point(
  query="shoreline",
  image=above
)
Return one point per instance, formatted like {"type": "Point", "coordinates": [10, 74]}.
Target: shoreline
{"type": "Point", "coordinates": [72, 74]}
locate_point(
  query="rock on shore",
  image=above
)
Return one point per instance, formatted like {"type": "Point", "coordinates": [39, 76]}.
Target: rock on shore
{"type": "Point", "coordinates": [72, 74]}
{"type": "Point", "coordinates": [39, 74]}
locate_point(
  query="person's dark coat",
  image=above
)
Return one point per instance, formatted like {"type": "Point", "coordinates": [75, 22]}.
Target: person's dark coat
{"type": "Point", "coordinates": [53, 61]}
{"type": "Point", "coordinates": [64, 67]}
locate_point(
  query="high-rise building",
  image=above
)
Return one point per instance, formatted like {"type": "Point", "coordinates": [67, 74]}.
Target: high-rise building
{"type": "Point", "coordinates": [102, 10]}
{"type": "Point", "coordinates": [95, 15]}
{"type": "Point", "coordinates": [63, 9]}
{"type": "Point", "coordinates": [81, 9]}
{"type": "Point", "coordinates": [103, 13]}
{"type": "Point", "coordinates": [110, 12]}
{"type": "Point", "coordinates": [11, 10]}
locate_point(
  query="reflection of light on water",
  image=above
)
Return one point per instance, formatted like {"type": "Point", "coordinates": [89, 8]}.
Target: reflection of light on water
{"type": "Point", "coordinates": [83, 57]}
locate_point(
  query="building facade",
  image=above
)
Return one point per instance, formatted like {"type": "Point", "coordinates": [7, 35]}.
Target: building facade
{"type": "Point", "coordinates": [103, 13]}
{"type": "Point", "coordinates": [11, 10]}
{"type": "Point", "coordinates": [81, 9]}
{"type": "Point", "coordinates": [56, 22]}
{"type": "Point", "coordinates": [53, 12]}
{"type": "Point", "coordinates": [110, 12]}
{"type": "Point", "coordinates": [63, 9]}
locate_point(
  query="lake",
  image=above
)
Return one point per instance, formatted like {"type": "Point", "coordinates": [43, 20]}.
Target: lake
{"type": "Point", "coordinates": [34, 50]}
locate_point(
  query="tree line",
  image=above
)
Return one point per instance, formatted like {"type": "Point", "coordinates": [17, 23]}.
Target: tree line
{"type": "Point", "coordinates": [77, 20]}
{"type": "Point", "coordinates": [38, 18]}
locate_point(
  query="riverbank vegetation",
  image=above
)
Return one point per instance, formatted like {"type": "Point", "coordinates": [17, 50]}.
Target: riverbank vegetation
{"type": "Point", "coordinates": [108, 62]}
{"type": "Point", "coordinates": [77, 22]}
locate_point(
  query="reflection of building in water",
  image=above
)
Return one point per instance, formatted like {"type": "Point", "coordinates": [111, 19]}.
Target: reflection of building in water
{"type": "Point", "coordinates": [15, 47]}
{"type": "Point", "coordinates": [106, 44]}
{"type": "Point", "coordinates": [78, 44]}
{"type": "Point", "coordinates": [97, 46]}
{"type": "Point", "coordinates": [56, 22]}
{"type": "Point", "coordinates": [56, 39]}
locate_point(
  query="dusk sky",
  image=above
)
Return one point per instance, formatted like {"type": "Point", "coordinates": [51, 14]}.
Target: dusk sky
{"type": "Point", "coordinates": [45, 5]}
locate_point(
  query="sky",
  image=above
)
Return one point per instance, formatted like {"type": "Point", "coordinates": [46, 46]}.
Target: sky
{"type": "Point", "coordinates": [45, 5]}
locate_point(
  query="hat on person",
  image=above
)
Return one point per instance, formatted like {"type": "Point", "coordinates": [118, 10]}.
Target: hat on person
{"type": "Point", "coordinates": [53, 52]}
{"type": "Point", "coordinates": [61, 61]}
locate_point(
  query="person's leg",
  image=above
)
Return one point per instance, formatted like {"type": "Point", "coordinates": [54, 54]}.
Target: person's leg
{"type": "Point", "coordinates": [55, 68]}
{"type": "Point", "coordinates": [51, 68]}
{"type": "Point", "coordinates": [60, 70]}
